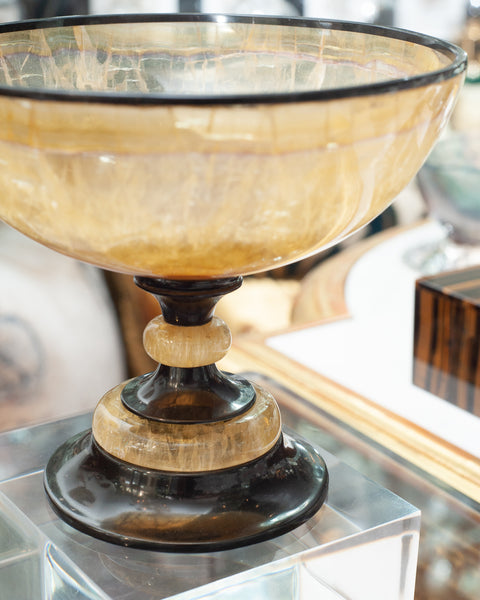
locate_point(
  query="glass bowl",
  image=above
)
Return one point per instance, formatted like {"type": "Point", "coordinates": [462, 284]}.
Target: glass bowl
{"type": "Point", "coordinates": [210, 146]}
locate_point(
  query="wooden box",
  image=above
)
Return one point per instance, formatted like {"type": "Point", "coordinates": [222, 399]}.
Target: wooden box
{"type": "Point", "coordinates": [447, 337]}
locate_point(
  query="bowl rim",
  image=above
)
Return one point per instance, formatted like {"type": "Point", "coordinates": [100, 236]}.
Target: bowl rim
{"type": "Point", "coordinates": [456, 67]}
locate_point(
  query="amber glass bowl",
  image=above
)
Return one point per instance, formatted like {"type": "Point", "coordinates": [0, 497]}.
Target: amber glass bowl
{"type": "Point", "coordinates": [190, 150]}
{"type": "Point", "coordinates": [210, 146]}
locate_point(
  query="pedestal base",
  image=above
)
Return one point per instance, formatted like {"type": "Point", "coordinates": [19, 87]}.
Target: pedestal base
{"type": "Point", "coordinates": [197, 512]}
{"type": "Point", "coordinates": [360, 527]}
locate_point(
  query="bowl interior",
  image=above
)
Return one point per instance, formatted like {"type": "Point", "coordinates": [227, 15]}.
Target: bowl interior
{"type": "Point", "coordinates": [207, 148]}
{"type": "Point", "coordinates": [206, 58]}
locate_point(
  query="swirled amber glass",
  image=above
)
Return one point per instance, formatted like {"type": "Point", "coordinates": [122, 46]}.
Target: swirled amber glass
{"type": "Point", "coordinates": [190, 147]}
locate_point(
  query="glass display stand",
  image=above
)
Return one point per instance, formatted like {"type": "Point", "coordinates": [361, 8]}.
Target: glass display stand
{"type": "Point", "coordinates": [336, 554]}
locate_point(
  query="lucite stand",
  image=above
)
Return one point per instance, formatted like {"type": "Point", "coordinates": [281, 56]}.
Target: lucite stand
{"type": "Point", "coordinates": [336, 554]}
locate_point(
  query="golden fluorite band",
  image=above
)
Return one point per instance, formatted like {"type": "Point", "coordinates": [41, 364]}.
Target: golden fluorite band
{"type": "Point", "coordinates": [176, 212]}
{"type": "Point", "coordinates": [186, 448]}
{"type": "Point", "coordinates": [186, 347]}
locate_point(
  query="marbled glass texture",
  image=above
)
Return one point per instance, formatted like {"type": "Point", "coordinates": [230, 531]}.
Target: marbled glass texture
{"type": "Point", "coordinates": [144, 178]}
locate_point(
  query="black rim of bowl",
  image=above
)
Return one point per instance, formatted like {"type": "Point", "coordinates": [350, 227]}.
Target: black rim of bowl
{"type": "Point", "coordinates": [457, 65]}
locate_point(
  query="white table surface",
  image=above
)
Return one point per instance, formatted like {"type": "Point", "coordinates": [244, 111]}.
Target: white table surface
{"type": "Point", "coordinates": [371, 352]}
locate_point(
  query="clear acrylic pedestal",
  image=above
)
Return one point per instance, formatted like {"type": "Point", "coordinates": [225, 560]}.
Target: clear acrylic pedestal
{"type": "Point", "coordinates": [362, 544]}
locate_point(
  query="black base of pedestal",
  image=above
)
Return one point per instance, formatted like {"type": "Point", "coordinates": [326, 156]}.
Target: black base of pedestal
{"type": "Point", "coordinates": [201, 512]}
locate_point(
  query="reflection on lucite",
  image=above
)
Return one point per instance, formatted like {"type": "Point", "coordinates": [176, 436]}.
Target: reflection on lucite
{"type": "Point", "coordinates": [359, 533]}
{"type": "Point", "coordinates": [31, 566]}
{"type": "Point", "coordinates": [190, 191]}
